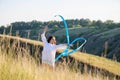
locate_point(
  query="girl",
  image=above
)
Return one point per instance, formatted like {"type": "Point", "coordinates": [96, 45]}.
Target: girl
{"type": "Point", "coordinates": [49, 49]}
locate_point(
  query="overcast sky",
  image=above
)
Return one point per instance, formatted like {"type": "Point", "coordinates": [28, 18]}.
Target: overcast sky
{"type": "Point", "coordinates": [44, 10]}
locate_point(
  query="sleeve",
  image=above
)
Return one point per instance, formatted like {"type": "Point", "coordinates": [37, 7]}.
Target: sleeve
{"type": "Point", "coordinates": [43, 38]}
{"type": "Point", "coordinates": [61, 46]}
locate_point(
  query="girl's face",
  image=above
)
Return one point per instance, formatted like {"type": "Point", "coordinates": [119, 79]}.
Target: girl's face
{"type": "Point", "coordinates": [53, 40]}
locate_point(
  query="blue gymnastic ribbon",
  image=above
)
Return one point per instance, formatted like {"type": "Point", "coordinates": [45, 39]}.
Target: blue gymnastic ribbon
{"type": "Point", "coordinates": [66, 51]}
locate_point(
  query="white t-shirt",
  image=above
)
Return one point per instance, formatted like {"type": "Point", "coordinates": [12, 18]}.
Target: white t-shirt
{"type": "Point", "coordinates": [49, 51]}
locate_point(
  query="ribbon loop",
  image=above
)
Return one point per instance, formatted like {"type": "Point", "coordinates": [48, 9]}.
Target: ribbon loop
{"type": "Point", "coordinates": [66, 51]}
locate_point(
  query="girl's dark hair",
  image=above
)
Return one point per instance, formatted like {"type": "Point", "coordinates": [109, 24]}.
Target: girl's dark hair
{"type": "Point", "coordinates": [50, 38]}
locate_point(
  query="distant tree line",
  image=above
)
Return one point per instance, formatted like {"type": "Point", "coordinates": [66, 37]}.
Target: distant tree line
{"type": "Point", "coordinates": [59, 24]}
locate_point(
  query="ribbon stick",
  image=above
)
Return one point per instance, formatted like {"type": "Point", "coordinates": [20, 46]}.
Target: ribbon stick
{"type": "Point", "coordinates": [66, 51]}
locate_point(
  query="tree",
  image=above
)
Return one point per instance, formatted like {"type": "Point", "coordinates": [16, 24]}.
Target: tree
{"type": "Point", "coordinates": [85, 22]}
{"type": "Point", "coordinates": [99, 24]}
{"type": "Point", "coordinates": [109, 22]}
{"type": "Point", "coordinates": [2, 29]}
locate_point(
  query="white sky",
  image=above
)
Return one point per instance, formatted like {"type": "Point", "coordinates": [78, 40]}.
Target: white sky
{"type": "Point", "coordinates": [44, 10]}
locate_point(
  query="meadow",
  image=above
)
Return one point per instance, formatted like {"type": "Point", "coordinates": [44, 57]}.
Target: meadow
{"type": "Point", "coordinates": [16, 63]}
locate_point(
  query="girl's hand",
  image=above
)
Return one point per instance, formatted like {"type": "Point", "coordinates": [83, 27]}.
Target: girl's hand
{"type": "Point", "coordinates": [45, 28]}
{"type": "Point", "coordinates": [71, 45]}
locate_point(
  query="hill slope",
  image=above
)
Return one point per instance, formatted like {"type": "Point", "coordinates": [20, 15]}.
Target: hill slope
{"type": "Point", "coordinates": [99, 42]}
{"type": "Point", "coordinates": [95, 61]}
{"type": "Point", "coordinates": [102, 37]}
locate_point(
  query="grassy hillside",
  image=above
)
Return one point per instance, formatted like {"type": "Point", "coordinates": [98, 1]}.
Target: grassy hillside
{"type": "Point", "coordinates": [24, 67]}
{"type": "Point", "coordinates": [99, 42]}
{"type": "Point", "coordinates": [102, 37]}
{"type": "Point", "coordinates": [99, 63]}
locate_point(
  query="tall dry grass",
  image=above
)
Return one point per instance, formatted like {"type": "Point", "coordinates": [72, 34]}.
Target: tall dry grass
{"type": "Point", "coordinates": [16, 63]}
